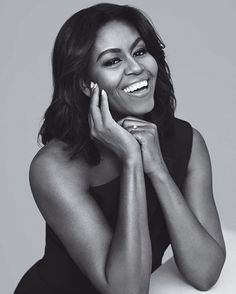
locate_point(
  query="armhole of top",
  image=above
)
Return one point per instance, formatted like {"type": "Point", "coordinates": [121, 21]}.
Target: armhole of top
{"type": "Point", "coordinates": [189, 142]}
{"type": "Point", "coordinates": [184, 133]}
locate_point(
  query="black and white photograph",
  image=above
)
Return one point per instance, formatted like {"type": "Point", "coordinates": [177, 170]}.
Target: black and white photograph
{"type": "Point", "coordinates": [118, 147]}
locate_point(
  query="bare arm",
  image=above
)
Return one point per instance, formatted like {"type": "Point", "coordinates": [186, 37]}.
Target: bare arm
{"type": "Point", "coordinates": [115, 262]}
{"type": "Point", "coordinates": [128, 265]}
{"type": "Point", "coordinates": [192, 220]}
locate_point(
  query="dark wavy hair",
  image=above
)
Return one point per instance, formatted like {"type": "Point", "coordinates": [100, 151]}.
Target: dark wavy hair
{"type": "Point", "coordinates": [67, 116]}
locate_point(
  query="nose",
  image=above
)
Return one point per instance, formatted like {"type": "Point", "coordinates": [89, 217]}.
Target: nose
{"type": "Point", "coordinates": [133, 67]}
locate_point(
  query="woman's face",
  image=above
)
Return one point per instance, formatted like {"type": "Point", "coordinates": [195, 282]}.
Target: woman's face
{"type": "Point", "coordinates": [121, 65]}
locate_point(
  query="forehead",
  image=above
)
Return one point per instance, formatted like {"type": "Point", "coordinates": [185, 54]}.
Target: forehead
{"type": "Point", "coordinates": [115, 34]}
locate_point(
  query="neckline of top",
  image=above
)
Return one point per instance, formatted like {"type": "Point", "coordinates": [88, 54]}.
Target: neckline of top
{"type": "Point", "coordinates": [107, 183]}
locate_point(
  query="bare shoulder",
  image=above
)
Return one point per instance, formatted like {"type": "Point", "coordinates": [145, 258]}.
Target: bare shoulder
{"type": "Point", "coordinates": [198, 140]}
{"type": "Point", "coordinates": [200, 157]}
{"type": "Point", "coordinates": [53, 165]}
{"type": "Point", "coordinates": [60, 187]}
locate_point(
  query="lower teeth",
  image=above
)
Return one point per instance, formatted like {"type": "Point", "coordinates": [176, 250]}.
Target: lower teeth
{"type": "Point", "coordinates": [139, 89]}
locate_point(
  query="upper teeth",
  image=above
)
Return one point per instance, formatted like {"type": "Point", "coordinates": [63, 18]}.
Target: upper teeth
{"type": "Point", "coordinates": [136, 86]}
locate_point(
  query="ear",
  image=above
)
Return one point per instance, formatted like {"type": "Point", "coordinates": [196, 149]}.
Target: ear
{"type": "Point", "coordinates": [85, 88]}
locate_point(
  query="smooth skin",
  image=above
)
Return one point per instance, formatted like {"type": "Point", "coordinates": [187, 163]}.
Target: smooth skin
{"type": "Point", "coordinates": [119, 59]}
{"type": "Point", "coordinates": [115, 262]}
{"type": "Point", "coordinates": [201, 257]}
{"type": "Point", "coordinates": [192, 218]}
{"type": "Point", "coordinates": [120, 261]}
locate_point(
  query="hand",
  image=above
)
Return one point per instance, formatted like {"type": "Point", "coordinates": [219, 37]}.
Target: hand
{"type": "Point", "coordinates": [105, 130]}
{"type": "Point", "coordinates": [146, 134]}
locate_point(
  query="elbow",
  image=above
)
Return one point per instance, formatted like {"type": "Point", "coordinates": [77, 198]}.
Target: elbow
{"type": "Point", "coordinates": [140, 286]}
{"type": "Point", "coordinates": [205, 284]}
{"type": "Point", "coordinates": [131, 285]}
{"type": "Point", "coordinates": [210, 275]}
{"type": "Point", "coordinates": [133, 279]}
{"type": "Point", "coordinates": [203, 289]}
{"type": "Point", "coordinates": [134, 288]}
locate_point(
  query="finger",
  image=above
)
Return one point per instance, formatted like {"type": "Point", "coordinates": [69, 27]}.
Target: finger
{"type": "Point", "coordinates": [145, 131]}
{"type": "Point", "coordinates": [105, 111]}
{"type": "Point", "coordinates": [138, 135]}
{"type": "Point", "coordinates": [94, 106]}
{"type": "Point", "coordinates": [133, 118]}
{"type": "Point", "coordinates": [92, 84]}
{"type": "Point", "coordinates": [90, 121]}
{"type": "Point", "coordinates": [138, 129]}
{"type": "Point", "coordinates": [121, 121]}
{"type": "Point", "coordinates": [136, 124]}
{"type": "Point", "coordinates": [124, 122]}
{"type": "Point", "coordinates": [133, 121]}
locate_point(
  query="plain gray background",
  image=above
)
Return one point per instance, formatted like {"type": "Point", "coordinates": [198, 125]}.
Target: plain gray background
{"type": "Point", "coordinates": [200, 47]}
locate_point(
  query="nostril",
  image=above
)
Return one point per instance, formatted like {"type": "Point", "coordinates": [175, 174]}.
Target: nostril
{"type": "Point", "coordinates": [134, 67]}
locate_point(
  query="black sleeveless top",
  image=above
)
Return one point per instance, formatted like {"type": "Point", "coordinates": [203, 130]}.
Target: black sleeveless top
{"type": "Point", "coordinates": [57, 268]}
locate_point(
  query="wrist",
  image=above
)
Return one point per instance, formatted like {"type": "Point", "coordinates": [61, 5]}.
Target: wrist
{"type": "Point", "coordinates": [159, 174]}
{"type": "Point", "coordinates": [131, 155]}
{"type": "Point", "coordinates": [132, 159]}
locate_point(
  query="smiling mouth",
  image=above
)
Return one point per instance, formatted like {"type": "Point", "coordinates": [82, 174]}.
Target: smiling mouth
{"type": "Point", "coordinates": [137, 87]}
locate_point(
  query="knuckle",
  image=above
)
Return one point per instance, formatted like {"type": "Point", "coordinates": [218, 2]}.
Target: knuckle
{"type": "Point", "coordinates": [98, 130]}
{"type": "Point", "coordinates": [108, 126]}
{"type": "Point", "coordinates": [154, 129]}
{"type": "Point", "coordinates": [152, 132]}
{"type": "Point", "coordinates": [93, 133]}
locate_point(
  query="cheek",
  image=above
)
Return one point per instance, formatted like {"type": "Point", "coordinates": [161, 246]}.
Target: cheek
{"type": "Point", "coordinates": [108, 80]}
{"type": "Point", "coordinates": [153, 66]}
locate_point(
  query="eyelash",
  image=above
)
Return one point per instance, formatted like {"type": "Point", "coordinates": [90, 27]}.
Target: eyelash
{"type": "Point", "coordinates": [143, 50]}
{"type": "Point", "coordinates": [115, 60]}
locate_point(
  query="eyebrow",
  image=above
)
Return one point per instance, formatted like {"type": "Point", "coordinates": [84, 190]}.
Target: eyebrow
{"type": "Point", "coordinates": [117, 50]}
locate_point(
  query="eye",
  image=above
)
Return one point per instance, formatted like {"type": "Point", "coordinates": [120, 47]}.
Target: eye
{"type": "Point", "coordinates": [112, 61]}
{"type": "Point", "coordinates": [140, 52]}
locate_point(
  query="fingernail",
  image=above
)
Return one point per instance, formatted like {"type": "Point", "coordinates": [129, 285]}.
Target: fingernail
{"type": "Point", "coordinates": [95, 85]}
{"type": "Point", "coordinates": [103, 92]}
{"type": "Point", "coordinates": [92, 85]}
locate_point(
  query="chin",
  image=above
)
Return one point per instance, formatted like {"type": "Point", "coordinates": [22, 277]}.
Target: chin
{"type": "Point", "coordinates": [143, 109]}
{"type": "Point", "coordinates": [138, 111]}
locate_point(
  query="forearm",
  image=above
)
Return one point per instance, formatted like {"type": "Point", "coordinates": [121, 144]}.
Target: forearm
{"type": "Point", "coordinates": [198, 256]}
{"type": "Point", "coordinates": [129, 259]}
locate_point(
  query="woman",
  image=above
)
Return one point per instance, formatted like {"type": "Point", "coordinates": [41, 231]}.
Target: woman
{"type": "Point", "coordinates": [119, 178]}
